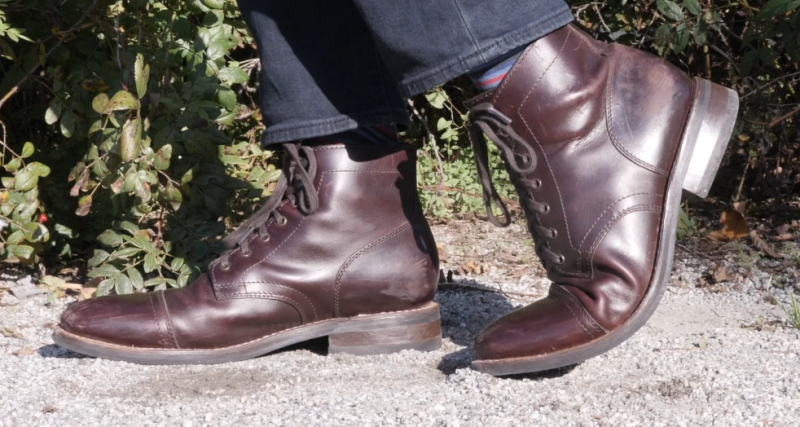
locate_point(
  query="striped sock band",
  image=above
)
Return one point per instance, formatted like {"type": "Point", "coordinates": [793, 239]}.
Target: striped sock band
{"type": "Point", "coordinates": [375, 135]}
{"type": "Point", "coordinates": [491, 74]}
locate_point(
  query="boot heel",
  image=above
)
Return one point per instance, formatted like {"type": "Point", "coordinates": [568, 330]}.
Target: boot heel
{"type": "Point", "coordinates": [709, 127]}
{"type": "Point", "coordinates": [418, 329]}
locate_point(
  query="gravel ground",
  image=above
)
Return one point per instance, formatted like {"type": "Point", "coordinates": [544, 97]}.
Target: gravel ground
{"type": "Point", "coordinates": [718, 355]}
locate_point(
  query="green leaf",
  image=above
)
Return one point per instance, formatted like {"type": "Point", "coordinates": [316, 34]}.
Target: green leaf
{"type": "Point", "coordinates": [13, 166]}
{"type": "Point", "coordinates": [233, 74]}
{"type": "Point", "coordinates": [227, 98]}
{"type": "Point", "coordinates": [122, 285]}
{"type": "Point", "coordinates": [53, 111]}
{"type": "Point", "coordinates": [162, 158]}
{"type": "Point", "coordinates": [129, 227]}
{"type": "Point", "coordinates": [84, 205]}
{"type": "Point", "coordinates": [693, 6]}
{"type": "Point", "coordinates": [27, 150]}
{"type": "Point", "coordinates": [437, 98]}
{"type": "Point", "coordinates": [142, 75]}
{"type": "Point", "coordinates": [25, 180]}
{"type": "Point", "coordinates": [681, 38]}
{"type": "Point", "coordinates": [39, 169]}
{"type": "Point", "coordinates": [774, 8]}
{"type": "Point", "coordinates": [36, 232]}
{"type": "Point", "coordinates": [68, 124]}
{"type": "Point", "coordinates": [150, 263]}
{"type": "Point", "coordinates": [23, 252]}
{"type": "Point", "coordinates": [16, 237]}
{"type": "Point", "coordinates": [122, 100]}
{"type": "Point", "coordinates": [104, 288]}
{"type": "Point", "coordinates": [99, 104]}
{"type": "Point", "coordinates": [176, 264]}
{"type": "Point", "coordinates": [99, 257]}
{"type": "Point", "coordinates": [110, 238]}
{"type": "Point", "coordinates": [670, 9]}
{"type": "Point", "coordinates": [214, 4]}
{"type": "Point", "coordinates": [129, 146]}
{"type": "Point", "coordinates": [105, 270]}
{"type": "Point", "coordinates": [64, 231]}
{"type": "Point", "coordinates": [663, 35]}
{"type": "Point", "coordinates": [126, 253]}
{"type": "Point", "coordinates": [136, 278]}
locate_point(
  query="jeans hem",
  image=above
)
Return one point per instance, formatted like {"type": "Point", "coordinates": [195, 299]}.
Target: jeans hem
{"type": "Point", "coordinates": [332, 125]}
{"type": "Point", "coordinates": [428, 80]}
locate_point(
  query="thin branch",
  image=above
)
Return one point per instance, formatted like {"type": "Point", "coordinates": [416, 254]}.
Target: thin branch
{"type": "Point", "coordinates": [75, 26]}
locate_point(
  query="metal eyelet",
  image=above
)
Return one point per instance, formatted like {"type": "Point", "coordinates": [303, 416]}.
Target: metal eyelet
{"type": "Point", "coordinates": [225, 267]}
{"type": "Point", "coordinates": [561, 259]}
{"type": "Point", "coordinates": [545, 209]}
{"type": "Point", "coordinates": [265, 239]}
{"type": "Point", "coordinates": [553, 233]}
{"type": "Point", "coordinates": [283, 221]}
{"type": "Point", "coordinates": [247, 254]}
{"type": "Point", "coordinates": [537, 183]}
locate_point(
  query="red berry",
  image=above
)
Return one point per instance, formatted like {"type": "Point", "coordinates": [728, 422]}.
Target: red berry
{"type": "Point", "coordinates": [43, 218]}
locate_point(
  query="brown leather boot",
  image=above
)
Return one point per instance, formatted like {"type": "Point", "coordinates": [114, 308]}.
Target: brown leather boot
{"type": "Point", "coordinates": [340, 250]}
{"type": "Point", "coordinates": [599, 141]}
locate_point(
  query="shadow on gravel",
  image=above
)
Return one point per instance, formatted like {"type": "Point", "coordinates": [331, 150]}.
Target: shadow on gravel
{"type": "Point", "coordinates": [54, 351]}
{"type": "Point", "coordinates": [464, 314]}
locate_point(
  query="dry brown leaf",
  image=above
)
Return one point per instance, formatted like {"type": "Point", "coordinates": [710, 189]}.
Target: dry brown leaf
{"type": "Point", "coordinates": [764, 246]}
{"type": "Point", "coordinates": [784, 237]}
{"type": "Point", "coordinates": [25, 351]}
{"type": "Point", "coordinates": [721, 274]}
{"type": "Point", "coordinates": [734, 226]}
{"type": "Point", "coordinates": [10, 332]}
{"type": "Point", "coordinates": [473, 267]}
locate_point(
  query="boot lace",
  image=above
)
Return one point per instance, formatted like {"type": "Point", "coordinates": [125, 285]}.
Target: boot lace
{"type": "Point", "coordinates": [295, 185]}
{"type": "Point", "coordinates": [485, 120]}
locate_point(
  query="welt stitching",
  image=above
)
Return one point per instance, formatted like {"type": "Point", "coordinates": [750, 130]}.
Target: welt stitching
{"type": "Point", "coordinates": [610, 125]}
{"type": "Point", "coordinates": [167, 318]}
{"type": "Point", "coordinates": [599, 217]}
{"type": "Point", "coordinates": [574, 315]}
{"type": "Point", "coordinates": [156, 318]}
{"type": "Point", "coordinates": [313, 309]}
{"type": "Point", "coordinates": [353, 257]}
{"type": "Point", "coordinates": [276, 297]}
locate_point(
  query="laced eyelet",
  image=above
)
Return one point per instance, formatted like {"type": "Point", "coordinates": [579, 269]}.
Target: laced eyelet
{"type": "Point", "coordinates": [561, 259]}
{"type": "Point", "coordinates": [537, 183]}
{"type": "Point", "coordinates": [247, 254]}
{"type": "Point", "coordinates": [225, 267]}
{"type": "Point", "coordinates": [553, 233]}
{"type": "Point", "coordinates": [264, 238]}
{"type": "Point", "coordinates": [283, 221]}
{"type": "Point", "coordinates": [545, 209]}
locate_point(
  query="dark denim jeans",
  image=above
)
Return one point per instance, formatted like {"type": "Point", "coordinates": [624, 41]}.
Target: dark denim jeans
{"type": "Point", "coordinates": [332, 65]}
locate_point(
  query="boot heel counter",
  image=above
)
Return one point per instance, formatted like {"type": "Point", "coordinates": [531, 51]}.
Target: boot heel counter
{"type": "Point", "coordinates": [396, 272]}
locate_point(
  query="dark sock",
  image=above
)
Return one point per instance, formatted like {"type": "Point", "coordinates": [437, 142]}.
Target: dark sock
{"type": "Point", "coordinates": [374, 135]}
{"type": "Point", "coordinates": [491, 74]}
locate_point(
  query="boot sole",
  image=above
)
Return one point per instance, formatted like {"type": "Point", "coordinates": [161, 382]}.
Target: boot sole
{"type": "Point", "coordinates": [705, 139]}
{"type": "Point", "coordinates": [418, 329]}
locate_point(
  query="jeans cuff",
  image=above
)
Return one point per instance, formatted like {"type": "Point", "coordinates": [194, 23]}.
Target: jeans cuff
{"type": "Point", "coordinates": [330, 126]}
{"type": "Point", "coordinates": [491, 48]}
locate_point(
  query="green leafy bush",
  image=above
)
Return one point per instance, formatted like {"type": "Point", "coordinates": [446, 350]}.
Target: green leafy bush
{"type": "Point", "coordinates": [130, 128]}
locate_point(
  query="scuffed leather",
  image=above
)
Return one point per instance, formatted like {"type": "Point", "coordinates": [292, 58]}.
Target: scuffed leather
{"type": "Point", "coordinates": [605, 122]}
{"type": "Point", "coordinates": [366, 249]}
